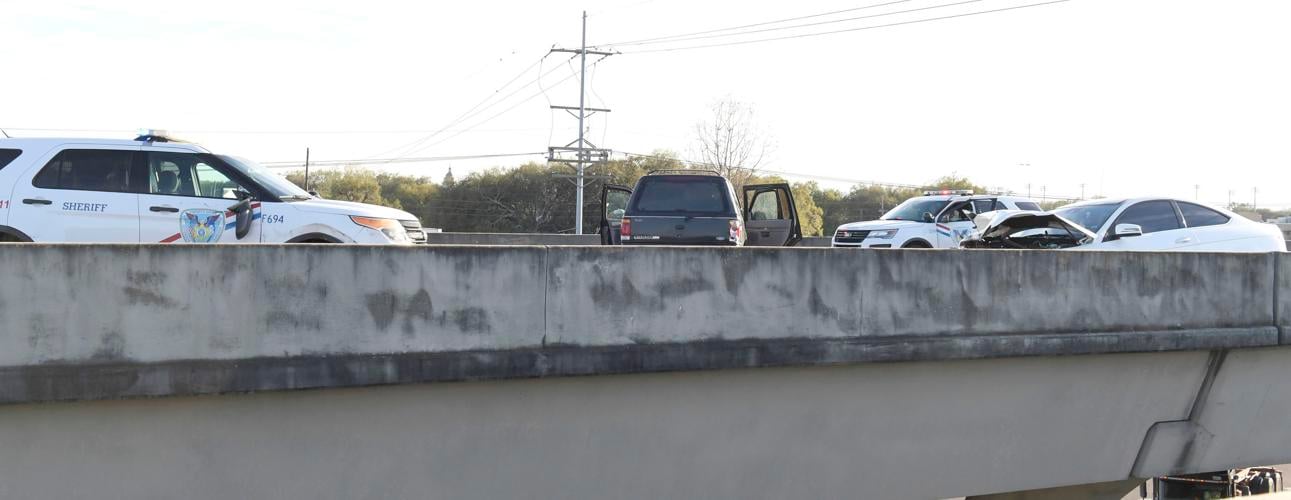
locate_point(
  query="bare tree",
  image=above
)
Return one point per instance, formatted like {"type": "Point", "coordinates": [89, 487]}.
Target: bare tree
{"type": "Point", "coordinates": [730, 142]}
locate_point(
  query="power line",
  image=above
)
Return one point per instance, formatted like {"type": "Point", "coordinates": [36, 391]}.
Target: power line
{"type": "Point", "coordinates": [806, 25]}
{"type": "Point", "coordinates": [778, 21]}
{"type": "Point", "coordinates": [409, 148]}
{"type": "Point", "coordinates": [474, 110]}
{"type": "Point", "coordinates": [822, 33]}
{"type": "Point", "coordinates": [370, 161]}
{"type": "Point", "coordinates": [500, 113]}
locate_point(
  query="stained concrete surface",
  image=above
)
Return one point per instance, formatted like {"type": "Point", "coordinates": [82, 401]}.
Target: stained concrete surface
{"type": "Point", "coordinates": [903, 430]}
{"type": "Point", "coordinates": [103, 321]}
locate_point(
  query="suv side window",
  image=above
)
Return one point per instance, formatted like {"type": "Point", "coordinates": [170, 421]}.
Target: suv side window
{"type": "Point", "coordinates": [1027, 205]}
{"type": "Point", "coordinates": [8, 155]}
{"type": "Point", "coordinates": [765, 206]}
{"type": "Point", "coordinates": [1152, 216]}
{"type": "Point", "coordinates": [214, 184]}
{"type": "Point", "coordinates": [88, 170]}
{"type": "Point", "coordinates": [983, 206]}
{"type": "Point", "coordinates": [958, 212]}
{"type": "Point", "coordinates": [187, 174]}
{"type": "Point", "coordinates": [1199, 216]}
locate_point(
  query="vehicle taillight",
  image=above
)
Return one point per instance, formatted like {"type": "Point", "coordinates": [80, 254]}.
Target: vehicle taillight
{"type": "Point", "coordinates": [736, 229]}
{"type": "Point", "coordinates": [625, 227]}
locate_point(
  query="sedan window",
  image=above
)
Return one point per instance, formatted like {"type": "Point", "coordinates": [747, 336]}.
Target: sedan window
{"type": "Point", "coordinates": [1152, 216]}
{"type": "Point", "coordinates": [1090, 217]}
{"type": "Point", "coordinates": [1198, 216]}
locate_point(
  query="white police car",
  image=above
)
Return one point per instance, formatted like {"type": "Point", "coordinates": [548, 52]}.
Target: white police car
{"type": "Point", "coordinates": [158, 190]}
{"type": "Point", "coordinates": [938, 219]}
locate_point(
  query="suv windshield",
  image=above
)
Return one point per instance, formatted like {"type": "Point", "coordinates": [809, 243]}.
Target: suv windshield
{"type": "Point", "coordinates": [1091, 217]}
{"type": "Point", "coordinates": [683, 194]}
{"type": "Point", "coordinates": [914, 208]}
{"type": "Point", "coordinates": [274, 183]}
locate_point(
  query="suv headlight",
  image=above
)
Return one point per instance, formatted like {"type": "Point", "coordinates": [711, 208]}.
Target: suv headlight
{"type": "Point", "coordinates": [389, 227]}
{"type": "Point", "coordinates": [883, 234]}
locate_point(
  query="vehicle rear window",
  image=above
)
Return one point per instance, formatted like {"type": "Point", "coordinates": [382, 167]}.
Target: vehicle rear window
{"type": "Point", "coordinates": [692, 194]}
{"type": "Point", "coordinates": [87, 169]}
{"type": "Point", "coordinates": [1028, 205]}
{"type": "Point", "coordinates": [7, 156]}
{"type": "Point", "coordinates": [1198, 216]}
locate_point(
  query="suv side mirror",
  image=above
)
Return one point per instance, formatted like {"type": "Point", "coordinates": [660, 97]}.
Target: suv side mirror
{"type": "Point", "coordinates": [242, 216]}
{"type": "Point", "coordinates": [927, 216]}
{"type": "Point", "coordinates": [1127, 230]}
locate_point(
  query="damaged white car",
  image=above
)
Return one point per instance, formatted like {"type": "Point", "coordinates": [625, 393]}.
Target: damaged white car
{"type": "Point", "coordinates": [1139, 224]}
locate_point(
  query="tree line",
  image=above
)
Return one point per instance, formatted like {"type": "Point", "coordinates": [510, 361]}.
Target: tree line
{"type": "Point", "coordinates": [531, 198]}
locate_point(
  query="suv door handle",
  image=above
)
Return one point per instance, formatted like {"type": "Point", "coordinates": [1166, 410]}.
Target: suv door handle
{"type": "Point", "coordinates": [163, 209]}
{"type": "Point", "coordinates": [36, 201]}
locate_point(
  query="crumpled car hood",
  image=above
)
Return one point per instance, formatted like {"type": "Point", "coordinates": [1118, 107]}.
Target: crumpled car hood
{"type": "Point", "coordinates": [1007, 223]}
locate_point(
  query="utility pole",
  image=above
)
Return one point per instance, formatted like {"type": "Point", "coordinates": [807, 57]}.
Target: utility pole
{"type": "Point", "coordinates": [306, 170]}
{"type": "Point", "coordinates": [585, 153]}
{"type": "Point", "coordinates": [1255, 196]}
{"type": "Point", "coordinates": [1196, 192]}
{"type": "Point", "coordinates": [1082, 190]}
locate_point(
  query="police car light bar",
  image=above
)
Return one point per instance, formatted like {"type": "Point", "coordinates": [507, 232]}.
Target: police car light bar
{"type": "Point", "coordinates": [957, 192]}
{"type": "Point", "coordinates": [153, 135]}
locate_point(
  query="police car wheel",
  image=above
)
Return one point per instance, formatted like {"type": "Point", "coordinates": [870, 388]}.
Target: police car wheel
{"type": "Point", "coordinates": [917, 244]}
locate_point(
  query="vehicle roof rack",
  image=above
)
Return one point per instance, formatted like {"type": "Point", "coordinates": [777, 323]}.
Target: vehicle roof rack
{"type": "Point", "coordinates": [694, 171]}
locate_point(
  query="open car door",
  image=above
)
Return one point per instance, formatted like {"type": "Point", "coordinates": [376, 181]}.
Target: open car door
{"type": "Point", "coordinates": [770, 216]}
{"type": "Point", "coordinates": [614, 202]}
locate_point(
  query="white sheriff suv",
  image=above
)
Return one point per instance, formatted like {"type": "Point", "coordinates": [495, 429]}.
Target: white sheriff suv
{"type": "Point", "coordinates": [938, 219]}
{"type": "Point", "coordinates": [158, 190]}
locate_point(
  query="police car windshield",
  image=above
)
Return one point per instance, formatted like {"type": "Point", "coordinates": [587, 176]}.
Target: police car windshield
{"type": "Point", "coordinates": [1092, 217]}
{"type": "Point", "coordinates": [274, 183]}
{"type": "Point", "coordinates": [914, 208]}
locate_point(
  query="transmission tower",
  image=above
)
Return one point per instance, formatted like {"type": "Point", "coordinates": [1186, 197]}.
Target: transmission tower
{"type": "Point", "coordinates": [583, 152]}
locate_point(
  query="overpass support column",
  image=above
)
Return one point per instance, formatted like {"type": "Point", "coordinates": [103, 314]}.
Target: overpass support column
{"type": "Point", "coordinates": [1114, 490]}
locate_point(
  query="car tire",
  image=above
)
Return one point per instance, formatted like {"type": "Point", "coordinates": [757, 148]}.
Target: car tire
{"type": "Point", "coordinates": [314, 238]}
{"type": "Point", "coordinates": [917, 244]}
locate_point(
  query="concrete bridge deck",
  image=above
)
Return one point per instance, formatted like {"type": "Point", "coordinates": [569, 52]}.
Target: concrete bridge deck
{"type": "Point", "coordinates": [699, 372]}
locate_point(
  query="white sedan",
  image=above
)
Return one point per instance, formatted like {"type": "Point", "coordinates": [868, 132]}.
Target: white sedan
{"type": "Point", "coordinates": [1137, 224]}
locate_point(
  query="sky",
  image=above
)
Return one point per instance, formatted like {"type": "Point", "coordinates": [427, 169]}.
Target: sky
{"type": "Point", "coordinates": [1179, 98]}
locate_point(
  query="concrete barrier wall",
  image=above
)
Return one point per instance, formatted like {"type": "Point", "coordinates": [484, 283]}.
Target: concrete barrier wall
{"type": "Point", "coordinates": [622, 295]}
{"type": "Point", "coordinates": [815, 242]}
{"type": "Point", "coordinates": [89, 321]}
{"type": "Point", "coordinates": [1282, 295]}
